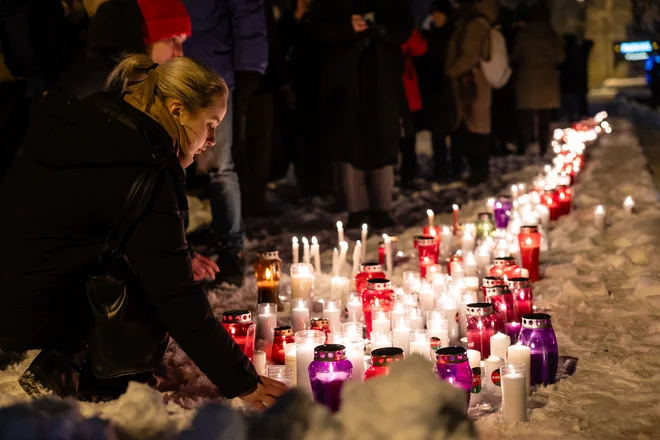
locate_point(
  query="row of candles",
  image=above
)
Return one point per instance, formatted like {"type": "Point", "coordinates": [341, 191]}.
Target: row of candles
{"type": "Point", "coordinates": [469, 307]}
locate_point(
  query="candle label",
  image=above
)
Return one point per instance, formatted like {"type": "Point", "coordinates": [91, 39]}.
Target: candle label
{"type": "Point", "coordinates": [436, 343]}
{"type": "Point", "coordinates": [495, 377]}
{"type": "Point", "coordinates": [476, 380]}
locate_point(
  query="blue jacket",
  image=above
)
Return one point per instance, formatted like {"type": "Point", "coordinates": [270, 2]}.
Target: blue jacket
{"type": "Point", "coordinates": [228, 36]}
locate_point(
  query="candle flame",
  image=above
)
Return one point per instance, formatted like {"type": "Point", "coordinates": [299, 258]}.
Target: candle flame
{"type": "Point", "coordinates": [305, 241]}
{"type": "Point", "coordinates": [629, 201]}
{"type": "Point", "coordinates": [365, 227]}
{"type": "Point", "coordinates": [315, 242]}
{"type": "Point", "coordinates": [429, 212]}
{"type": "Point", "coordinates": [294, 240]}
{"type": "Point", "coordinates": [455, 207]}
{"type": "Point", "coordinates": [386, 238]}
{"type": "Point", "coordinates": [343, 245]}
{"type": "Point", "coordinates": [600, 209]}
{"type": "Point", "coordinates": [528, 241]}
{"type": "Point", "coordinates": [432, 232]}
{"type": "Point", "coordinates": [358, 243]}
{"type": "Point", "coordinates": [340, 226]}
{"type": "Point", "coordinates": [269, 275]}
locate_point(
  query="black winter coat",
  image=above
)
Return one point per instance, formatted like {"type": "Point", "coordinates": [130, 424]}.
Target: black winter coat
{"type": "Point", "coordinates": [360, 78]}
{"type": "Point", "coordinates": [60, 200]}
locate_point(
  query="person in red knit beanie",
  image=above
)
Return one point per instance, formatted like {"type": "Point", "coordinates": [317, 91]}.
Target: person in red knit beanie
{"type": "Point", "coordinates": [166, 27]}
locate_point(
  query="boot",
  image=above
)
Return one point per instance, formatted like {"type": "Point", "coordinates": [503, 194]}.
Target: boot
{"type": "Point", "coordinates": [54, 372]}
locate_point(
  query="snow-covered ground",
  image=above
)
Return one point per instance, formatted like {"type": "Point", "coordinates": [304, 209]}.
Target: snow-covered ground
{"type": "Point", "coordinates": [602, 290]}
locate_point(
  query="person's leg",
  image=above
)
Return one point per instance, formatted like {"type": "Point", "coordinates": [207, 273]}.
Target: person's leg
{"type": "Point", "coordinates": [525, 129]}
{"type": "Point", "coordinates": [380, 186]}
{"type": "Point", "coordinates": [259, 145]}
{"type": "Point", "coordinates": [354, 189]}
{"type": "Point", "coordinates": [544, 118]}
{"type": "Point", "coordinates": [407, 145]}
{"type": "Point", "coordinates": [225, 195]}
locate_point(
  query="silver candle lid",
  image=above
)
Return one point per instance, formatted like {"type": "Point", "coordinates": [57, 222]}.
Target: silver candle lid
{"type": "Point", "coordinates": [504, 261]}
{"type": "Point", "coordinates": [492, 281]}
{"type": "Point", "coordinates": [329, 353]}
{"type": "Point", "coordinates": [479, 309]}
{"type": "Point", "coordinates": [496, 290]}
{"type": "Point", "coordinates": [379, 284]}
{"type": "Point", "coordinates": [536, 320]}
{"type": "Point", "coordinates": [519, 283]}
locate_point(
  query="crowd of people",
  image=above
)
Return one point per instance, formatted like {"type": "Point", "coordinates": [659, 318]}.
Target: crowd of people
{"type": "Point", "coordinates": [336, 89]}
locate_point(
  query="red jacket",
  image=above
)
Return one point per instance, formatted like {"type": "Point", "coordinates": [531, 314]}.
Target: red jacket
{"type": "Point", "coordinates": [415, 47]}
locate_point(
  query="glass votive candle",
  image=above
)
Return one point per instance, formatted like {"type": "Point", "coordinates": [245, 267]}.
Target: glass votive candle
{"type": "Point", "coordinates": [354, 308]}
{"type": "Point", "coordinates": [565, 196]}
{"type": "Point", "coordinates": [328, 372]}
{"type": "Point", "coordinates": [242, 330]}
{"type": "Point", "coordinates": [354, 343]}
{"type": "Point", "coordinates": [504, 266]}
{"type": "Point", "coordinates": [411, 281]}
{"type": "Point", "coordinates": [551, 201]}
{"type": "Point", "coordinates": [503, 307]}
{"type": "Point", "coordinates": [280, 373]}
{"type": "Point", "coordinates": [453, 367]}
{"type": "Point", "coordinates": [485, 225]}
{"type": "Point", "coordinates": [283, 336]}
{"type": "Point", "coordinates": [367, 272]}
{"type": "Point", "coordinates": [514, 393]}
{"type": "Point", "coordinates": [381, 339]}
{"type": "Point", "coordinates": [321, 324]}
{"type": "Point", "coordinates": [512, 330]}
{"type": "Point", "coordinates": [480, 327]}
{"type": "Point", "coordinates": [401, 335]}
{"type": "Point", "coordinates": [416, 318]}
{"type": "Point", "coordinates": [380, 322]}
{"type": "Point", "coordinates": [332, 312]}
{"type": "Point", "coordinates": [266, 323]}
{"type": "Point", "coordinates": [381, 360]}
{"type": "Point", "coordinates": [427, 252]}
{"type": "Point", "coordinates": [306, 341]}
{"type": "Point", "coordinates": [377, 296]}
{"type": "Point", "coordinates": [420, 343]}
{"type": "Point", "coordinates": [529, 240]}
{"type": "Point", "coordinates": [267, 268]}
{"type": "Point", "coordinates": [537, 333]}
{"type": "Point", "coordinates": [302, 283]}
{"type": "Point", "coordinates": [438, 330]}
{"type": "Point", "coordinates": [502, 211]}
{"type": "Point", "coordinates": [523, 298]}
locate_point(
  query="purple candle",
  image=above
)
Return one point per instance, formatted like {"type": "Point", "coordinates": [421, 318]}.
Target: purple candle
{"type": "Point", "coordinates": [453, 367]}
{"type": "Point", "coordinates": [512, 329]}
{"type": "Point", "coordinates": [538, 335]}
{"type": "Point", "coordinates": [328, 372]}
{"type": "Point", "coordinates": [502, 211]}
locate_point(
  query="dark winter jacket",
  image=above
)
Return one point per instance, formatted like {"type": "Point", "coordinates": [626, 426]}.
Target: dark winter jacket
{"type": "Point", "coordinates": [360, 78]}
{"type": "Point", "coordinates": [115, 30]}
{"type": "Point", "coordinates": [228, 35]}
{"type": "Point", "coordinates": [60, 200]}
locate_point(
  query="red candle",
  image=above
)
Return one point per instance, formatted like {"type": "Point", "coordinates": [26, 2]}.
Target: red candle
{"type": "Point", "coordinates": [503, 306]}
{"type": "Point", "coordinates": [367, 272]}
{"type": "Point", "coordinates": [240, 327]}
{"type": "Point", "coordinates": [523, 300]}
{"type": "Point", "coordinates": [377, 296]}
{"type": "Point", "coordinates": [321, 324]}
{"type": "Point", "coordinates": [551, 200]}
{"type": "Point", "coordinates": [427, 250]}
{"type": "Point", "coordinates": [433, 231]}
{"type": "Point", "coordinates": [565, 199]}
{"type": "Point", "coordinates": [529, 240]}
{"type": "Point", "coordinates": [480, 327]}
{"type": "Point", "coordinates": [283, 337]}
{"type": "Point", "coordinates": [455, 209]}
{"type": "Point", "coordinates": [504, 267]}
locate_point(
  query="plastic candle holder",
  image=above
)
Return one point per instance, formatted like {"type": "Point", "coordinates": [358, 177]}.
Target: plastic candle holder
{"type": "Point", "coordinates": [529, 240]}
{"type": "Point", "coordinates": [453, 366]}
{"type": "Point", "coordinates": [327, 374]}
{"type": "Point", "coordinates": [267, 268]}
{"type": "Point", "coordinates": [381, 360]}
{"type": "Point", "coordinates": [504, 266]}
{"type": "Point", "coordinates": [502, 211]}
{"type": "Point", "coordinates": [242, 330]}
{"type": "Point", "coordinates": [503, 306]}
{"type": "Point", "coordinates": [367, 272]}
{"type": "Point", "coordinates": [427, 251]}
{"type": "Point", "coordinates": [377, 296]}
{"type": "Point", "coordinates": [280, 373]}
{"type": "Point", "coordinates": [523, 298]}
{"type": "Point", "coordinates": [537, 333]}
{"type": "Point", "coordinates": [487, 282]}
{"type": "Point", "coordinates": [480, 327]}
{"type": "Point", "coordinates": [282, 337]}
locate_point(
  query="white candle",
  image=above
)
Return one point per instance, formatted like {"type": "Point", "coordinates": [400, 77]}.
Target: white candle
{"type": "Point", "coordinates": [259, 362]}
{"type": "Point", "coordinates": [420, 344]}
{"type": "Point", "coordinates": [499, 344]}
{"type": "Point", "coordinates": [599, 218]}
{"type": "Point", "coordinates": [302, 282]}
{"type": "Point", "coordinates": [398, 311]}
{"type": "Point", "coordinates": [401, 336]}
{"type": "Point", "coordinates": [471, 284]}
{"type": "Point", "coordinates": [355, 354]}
{"type": "Point", "coordinates": [340, 232]}
{"type": "Point", "coordinates": [343, 249]}
{"type": "Point", "coordinates": [266, 323]}
{"type": "Point", "coordinates": [316, 255]}
{"type": "Point", "coordinates": [305, 250]}
{"type": "Point", "coordinates": [490, 205]}
{"type": "Point", "coordinates": [521, 354]}
{"type": "Point", "coordinates": [438, 332]}
{"type": "Point", "coordinates": [468, 298]}
{"type": "Point", "coordinates": [335, 262]}
{"type": "Point", "coordinates": [365, 229]}
{"type": "Point", "coordinates": [474, 358]}
{"type": "Point", "coordinates": [380, 340]}
{"type": "Point", "coordinates": [332, 312]}
{"type": "Point", "coordinates": [470, 264]}
{"type": "Point", "coordinates": [306, 341]}
{"type": "Point", "coordinates": [451, 314]}
{"type": "Point", "coordinates": [483, 257]}
{"type": "Point", "coordinates": [493, 380]}
{"type": "Point", "coordinates": [339, 288]}
{"type": "Point", "coordinates": [354, 307]}
{"type": "Point", "coordinates": [415, 318]}
{"type": "Point", "coordinates": [388, 254]}
{"type": "Point", "coordinates": [426, 297]}
{"type": "Point", "coordinates": [300, 316]}
{"type": "Point", "coordinates": [544, 212]}
{"type": "Point", "coordinates": [295, 250]}
{"type": "Point", "coordinates": [357, 256]}
{"type": "Point", "coordinates": [514, 393]}
{"type": "Point", "coordinates": [431, 216]}
{"type": "Point", "coordinates": [290, 360]}
{"type": "Point", "coordinates": [380, 323]}
{"type": "Point", "coordinates": [514, 251]}
{"type": "Point", "coordinates": [446, 242]}
{"type": "Point", "coordinates": [468, 243]}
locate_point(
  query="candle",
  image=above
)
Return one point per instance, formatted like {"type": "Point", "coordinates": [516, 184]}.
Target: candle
{"type": "Point", "coordinates": [398, 310]}
{"type": "Point", "coordinates": [415, 318]}
{"type": "Point", "coordinates": [521, 354]}
{"type": "Point", "coordinates": [341, 262]}
{"type": "Point", "coordinates": [401, 336]}
{"type": "Point", "coordinates": [490, 204]}
{"type": "Point", "coordinates": [483, 257]}
{"type": "Point", "coordinates": [290, 361]}
{"type": "Point", "coordinates": [493, 380]}
{"type": "Point", "coordinates": [355, 353]}
{"type": "Point", "coordinates": [332, 312]}
{"type": "Point", "coordinates": [499, 344]}
{"type": "Point", "coordinates": [514, 393]}
{"type": "Point", "coordinates": [420, 344]}
{"type": "Point", "coordinates": [468, 242]}
{"type": "Point", "coordinates": [455, 225]}
{"type": "Point", "coordinates": [339, 288]}
{"type": "Point", "coordinates": [266, 322]}
{"type": "Point", "coordinates": [446, 242]}
{"type": "Point", "coordinates": [300, 315]}
{"type": "Point", "coordinates": [474, 358]}
{"type": "Point", "coordinates": [426, 297]}
{"type": "Point", "coordinates": [388, 254]}
{"type": "Point", "coordinates": [380, 322]}
{"type": "Point", "coordinates": [544, 214]}
{"type": "Point", "coordinates": [335, 262]}
{"type": "Point", "coordinates": [431, 217]}
{"type": "Point", "coordinates": [259, 362]}
{"type": "Point", "coordinates": [354, 307]}
{"type": "Point", "coordinates": [467, 298]}
{"type": "Point", "coordinates": [451, 315]}
{"type": "Point", "coordinates": [302, 282]}
{"type": "Point", "coordinates": [438, 332]}
{"type": "Point", "coordinates": [599, 218]}
{"type": "Point", "coordinates": [316, 254]}
{"type": "Point", "coordinates": [295, 249]}
{"type": "Point", "coordinates": [529, 240]}
{"type": "Point", "coordinates": [305, 250]}
{"type": "Point", "coordinates": [306, 341]}
{"type": "Point", "coordinates": [512, 329]}
{"type": "Point", "coordinates": [381, 340]}
{"type": "Point", "coordinates": [470, 264]}
{"type": "Point", "coordinates": [629, 205]}
{"type": "Point", "coordinates": [365, 229]}
{"type": "Point", "coordinates": [340, 232]}
{"type": "Point", "coordinates": [357, 257]}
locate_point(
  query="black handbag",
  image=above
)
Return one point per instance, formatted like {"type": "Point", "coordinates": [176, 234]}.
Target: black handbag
{"type": "Point", "coordinates": [126, 336]}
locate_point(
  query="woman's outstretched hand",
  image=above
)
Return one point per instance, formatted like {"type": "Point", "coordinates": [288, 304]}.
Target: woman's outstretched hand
{"type": "Point", "coordinates": [266, 393]}
{"type": "Point", "coordinates": [204, 268]}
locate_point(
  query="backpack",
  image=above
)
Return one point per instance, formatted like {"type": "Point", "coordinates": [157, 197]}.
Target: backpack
{"type": "Point", "coordinates": [496, 69]}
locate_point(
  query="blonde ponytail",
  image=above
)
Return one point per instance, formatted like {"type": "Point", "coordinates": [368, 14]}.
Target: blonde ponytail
{"type": "Point", "coordinates": [185, 79]}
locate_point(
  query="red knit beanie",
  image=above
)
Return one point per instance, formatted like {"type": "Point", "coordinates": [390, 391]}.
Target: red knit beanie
{"type": "Point", "coordinates": [164, 19]}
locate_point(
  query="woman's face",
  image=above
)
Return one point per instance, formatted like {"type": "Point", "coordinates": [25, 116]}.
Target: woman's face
{"type": "Point", "coordinates": [163, 50]}
{"type": "Point", "coordinates": [199, 130]}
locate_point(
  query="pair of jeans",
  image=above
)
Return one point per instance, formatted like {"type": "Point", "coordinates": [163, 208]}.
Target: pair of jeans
{"type": "Point", "coordinates": [475, 147]}
{"type": "Point", "coordinates": [224, 190]}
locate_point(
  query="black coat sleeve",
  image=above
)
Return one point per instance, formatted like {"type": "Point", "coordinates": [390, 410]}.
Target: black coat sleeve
{"type": "Point", "coordinates": [158, 252]}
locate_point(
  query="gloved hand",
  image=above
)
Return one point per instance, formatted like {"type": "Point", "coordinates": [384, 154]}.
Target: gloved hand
{"type": "Point", "coordinates": [247, 82]}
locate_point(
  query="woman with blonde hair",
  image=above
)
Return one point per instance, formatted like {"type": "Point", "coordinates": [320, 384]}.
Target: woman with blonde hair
{"type": "Point", "coordinates": [102, 181]}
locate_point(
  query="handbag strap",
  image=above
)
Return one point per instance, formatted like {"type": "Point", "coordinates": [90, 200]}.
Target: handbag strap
{"type": "Point", "coordinates": [133, 207]}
